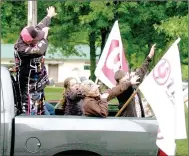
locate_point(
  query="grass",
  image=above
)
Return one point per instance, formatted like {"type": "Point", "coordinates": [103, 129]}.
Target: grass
{"type": "Point", "coordinates": [54, 93]}
{"type": "Point", "coordinates": [182, 145]}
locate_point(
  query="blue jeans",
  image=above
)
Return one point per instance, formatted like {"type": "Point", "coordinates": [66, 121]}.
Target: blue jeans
{"type": "Point", "coordinates": [48, 108]}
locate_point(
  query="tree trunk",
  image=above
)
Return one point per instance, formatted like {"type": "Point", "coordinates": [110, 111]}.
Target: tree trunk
{"type": "Point", "coordinates": [92, 40]}
{"type": "Point", "coordinates": [153, 58]}
{"type": "Point", "coordinates": [104, 33]}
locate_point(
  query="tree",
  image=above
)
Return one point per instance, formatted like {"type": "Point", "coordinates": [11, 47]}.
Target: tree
{"type": "Point", "coordinates": [176, 27]}
{"type": "Point", "coordinates": [97, 22]}
{"type": "Point", "coordinates": [13, 19]}
{"type": "Point", "coordinates": [65, 32]}
{"type": "Point", "coordinates": [141, 24]}
{"type": "Point", "coordinates": [82, 22]}
{"type": "Point", "coordinates": [139, 33]}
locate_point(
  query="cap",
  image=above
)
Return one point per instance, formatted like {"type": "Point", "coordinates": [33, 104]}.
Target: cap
{"type": "Point", "coordinates": [30, 33]}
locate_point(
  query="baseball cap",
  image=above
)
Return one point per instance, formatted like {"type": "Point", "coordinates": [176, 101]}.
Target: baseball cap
{"type": "Point", "coordinates": [30, 33]}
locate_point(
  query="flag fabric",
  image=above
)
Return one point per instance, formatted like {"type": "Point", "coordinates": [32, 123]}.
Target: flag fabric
{"type": "Point", "coordinates": [162, 89]}
{"type": "Point", "coordinates": [112, 58]}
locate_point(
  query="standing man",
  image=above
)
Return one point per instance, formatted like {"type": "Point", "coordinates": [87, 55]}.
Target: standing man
{"type": "Point", "coordinates": [135, 107]}
{"type": "Point", "coordinates": [31, 76]}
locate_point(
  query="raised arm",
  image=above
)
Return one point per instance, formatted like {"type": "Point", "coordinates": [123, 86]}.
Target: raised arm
{"type": "Point", "coordinates": [47, 20]}
{"type": "Point", "coordinates": [144, 68]}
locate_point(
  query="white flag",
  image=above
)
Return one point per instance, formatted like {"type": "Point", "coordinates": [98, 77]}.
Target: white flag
{"type": "Point", "coordinates": [162, 88]}
{"type": "Point", "coordinates": [112, 58]}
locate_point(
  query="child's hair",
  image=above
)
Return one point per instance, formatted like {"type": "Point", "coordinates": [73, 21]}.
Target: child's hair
{"type": "Point", "coordinates": [66, 89]}
{"type": "Point", "coordinates": [87, 85]}
{"type": "Point", "coordinates": [119, 75]}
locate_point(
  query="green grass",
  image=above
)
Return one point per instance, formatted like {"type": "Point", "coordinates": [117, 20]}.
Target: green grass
{"type": "Point", "coordinates": [54, 93]}
{"type": "Point", "coordinates": [184, 72]}
{"type": "Point", "coordinates": [182, 145]}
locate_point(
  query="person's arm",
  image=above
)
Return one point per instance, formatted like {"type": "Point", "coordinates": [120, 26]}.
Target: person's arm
{"type": "Point", "coordinates": [144, 68]}
{"type": "Point", "coordinates": [96, 108]}
{"type": "Point", "coordinates": [117, 90]}
{"type": "Point", "coordinates": [39, 49]}
{"type": "Point", "coordinates": [120, 88]}
{"type": "Point", "coordinates": [47, 20]}
{"type": "Point", "coordinates": [75, 95]}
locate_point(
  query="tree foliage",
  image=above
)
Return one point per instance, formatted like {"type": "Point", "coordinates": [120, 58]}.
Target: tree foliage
{"type": "Point", "coordinates": [176, 27]}
{"type": "Point", "coordinates": [141, 24]}
{"type": "Point", "coordinates": [13, 19]}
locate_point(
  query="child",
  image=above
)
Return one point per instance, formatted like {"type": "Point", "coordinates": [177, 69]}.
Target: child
{"type": "Point", "coordinates": [94, 103]}
{"type": "Point", "coordinates": [72, 97]}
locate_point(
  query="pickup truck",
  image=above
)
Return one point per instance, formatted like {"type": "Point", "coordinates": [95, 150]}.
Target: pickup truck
{"type": "Point", "coordinates": [59, 135]}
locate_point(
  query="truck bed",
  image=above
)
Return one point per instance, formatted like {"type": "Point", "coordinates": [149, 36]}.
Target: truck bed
{"type": "Point", "coordinates": [49, 135]}
{"type": "Point", "coordinates": [59, 135]}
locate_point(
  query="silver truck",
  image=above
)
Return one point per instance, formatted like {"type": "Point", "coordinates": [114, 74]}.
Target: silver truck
{"type": "Point", "coordinates": [59, 135]}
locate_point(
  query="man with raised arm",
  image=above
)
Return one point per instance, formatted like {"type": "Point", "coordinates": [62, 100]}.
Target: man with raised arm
{"type": "Point", "coordinates": [135, 107]}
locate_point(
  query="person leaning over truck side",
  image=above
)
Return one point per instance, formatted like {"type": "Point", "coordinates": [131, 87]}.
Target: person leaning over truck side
{"type": "Point", "coordinates": [135, 107]}
{"type": "Point", "coordinates": [30, 50]}
{"type": "Point", "coordinates": [94, 103]}
{"type": "Point", "coordinates": [72, 99]}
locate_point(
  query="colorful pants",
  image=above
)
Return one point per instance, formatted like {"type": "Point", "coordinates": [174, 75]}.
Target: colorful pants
{"type": "Point", "coordinates": [31, 88]}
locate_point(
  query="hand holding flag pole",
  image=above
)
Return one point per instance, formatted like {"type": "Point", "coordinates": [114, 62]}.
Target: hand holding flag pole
{"type": "Point", "coordinates": [127, 102]}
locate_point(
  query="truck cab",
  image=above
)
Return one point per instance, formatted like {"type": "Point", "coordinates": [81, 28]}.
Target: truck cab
{"type": "Point", "coordinates": [59, 135]}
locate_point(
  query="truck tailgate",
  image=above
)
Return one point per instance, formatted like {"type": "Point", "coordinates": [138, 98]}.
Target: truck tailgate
{"type": "Point", "coordinates": [48, 135]}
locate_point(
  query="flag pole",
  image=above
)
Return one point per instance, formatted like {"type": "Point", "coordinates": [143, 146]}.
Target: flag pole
{"type": "Point", "coordinates": [96, 81]}
{"type": "Point", "coordinates": [127, 102]}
